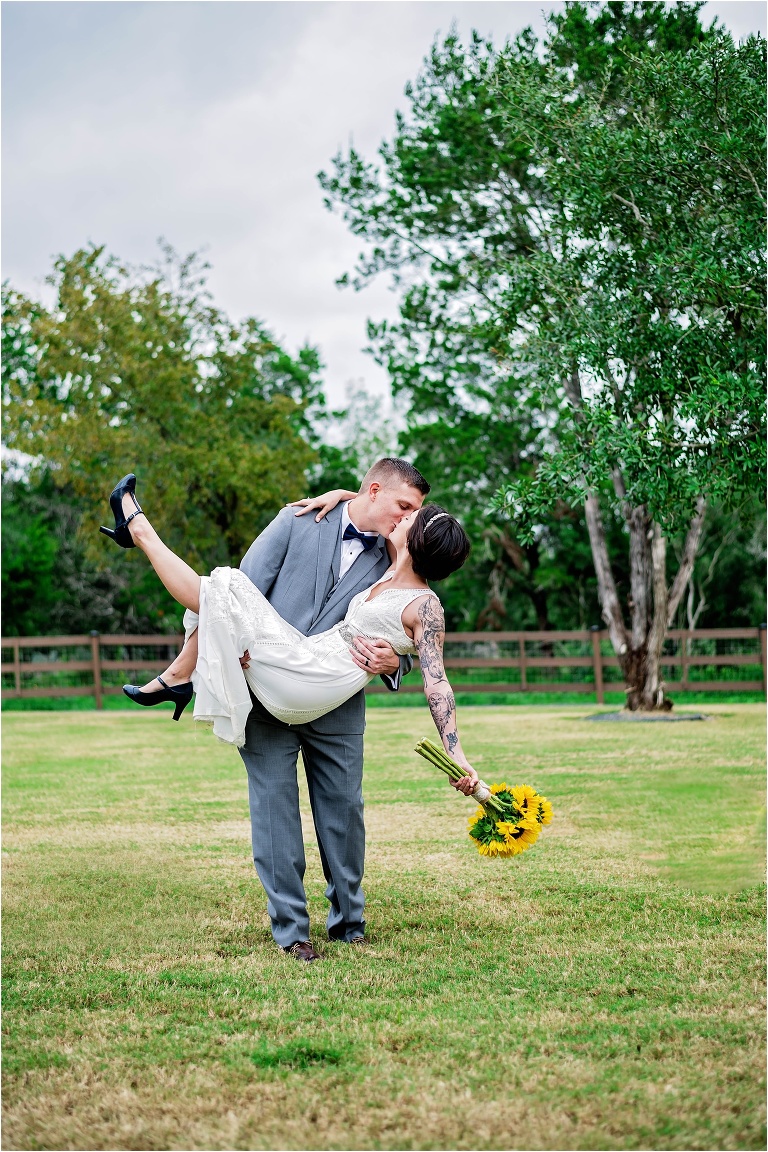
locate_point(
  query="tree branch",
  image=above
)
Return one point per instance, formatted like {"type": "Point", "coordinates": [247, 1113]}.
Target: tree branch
{"type": "Point", "coordinates": [688, 560]}
{"type": "Point", "coordinates": [573, 388]}
{"type": "Point", "coordinates": [606, 585]}
{"type": "Point", "coordinates": [631, 204]}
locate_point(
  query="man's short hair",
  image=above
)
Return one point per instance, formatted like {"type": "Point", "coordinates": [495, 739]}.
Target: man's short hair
{"type": "Point", "coordinates": [390, 471]}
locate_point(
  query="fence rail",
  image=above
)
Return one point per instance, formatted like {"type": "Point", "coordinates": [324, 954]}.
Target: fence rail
{"type": "Point", "coordinates": [564, 661]}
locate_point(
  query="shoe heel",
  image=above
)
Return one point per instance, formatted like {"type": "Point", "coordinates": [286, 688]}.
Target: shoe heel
{"type": "Point", "coordinates": [179, 709]}
{"type": "Point", "coordinates": [108, 532]}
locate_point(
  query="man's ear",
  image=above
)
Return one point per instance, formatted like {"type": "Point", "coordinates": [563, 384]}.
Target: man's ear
{"type": "Point", "coordinates": [373, 489]}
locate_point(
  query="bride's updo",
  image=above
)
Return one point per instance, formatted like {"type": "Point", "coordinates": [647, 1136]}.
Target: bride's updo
{"type": "Point", "coordinates": [437, 543]}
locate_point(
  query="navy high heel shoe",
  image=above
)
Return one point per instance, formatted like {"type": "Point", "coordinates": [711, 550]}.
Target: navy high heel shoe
{"type": "Point", "coordinates": [181, 696]}
{"type": "Point", "coordinates": [120, 533]}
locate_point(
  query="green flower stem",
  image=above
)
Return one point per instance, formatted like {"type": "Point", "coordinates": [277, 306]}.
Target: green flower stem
{"type": "Point", "coordinates": [428, 756]}
{"type": "Point", "coordinates": [443, 761]}
{"type": "Point", "coordinates": [439, 759]}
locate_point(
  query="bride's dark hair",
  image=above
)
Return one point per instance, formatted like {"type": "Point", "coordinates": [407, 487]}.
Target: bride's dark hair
{"type": "Point", "coordinates": [437, 543]}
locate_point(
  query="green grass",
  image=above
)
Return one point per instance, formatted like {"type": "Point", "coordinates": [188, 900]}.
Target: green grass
{"type": "Point", "coordinates": [410, 700]}
{"type": "Point", "coordinates": [604, 990]}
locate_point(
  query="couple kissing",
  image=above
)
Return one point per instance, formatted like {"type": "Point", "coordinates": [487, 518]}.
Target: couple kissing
{"type": "Point", "coordinates": [279, 651]}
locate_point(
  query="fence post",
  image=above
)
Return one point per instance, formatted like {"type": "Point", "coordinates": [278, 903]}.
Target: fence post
{"type": "Point", "coordinates": [523, 672]}
{"type": "Point", "coordinates": [763, 653]}
{"type": "Point", "coordinates": [684, 654]}
{"type": "Point", "coordinates": [96, 660]}
{"type": "Point", "coordinates": [597, 663]}
{"type": "Point", "coordinates": [17, 667]}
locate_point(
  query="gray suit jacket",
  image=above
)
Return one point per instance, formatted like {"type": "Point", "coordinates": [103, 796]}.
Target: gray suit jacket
{"type": "Point", "coordinates": [295, 564]}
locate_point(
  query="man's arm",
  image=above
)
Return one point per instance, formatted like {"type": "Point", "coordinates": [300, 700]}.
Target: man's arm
{"type": "Point", "coordinates": [265, 557]}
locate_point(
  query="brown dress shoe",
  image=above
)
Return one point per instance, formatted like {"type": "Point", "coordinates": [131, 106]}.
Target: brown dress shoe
{"type": "Point", "coordinates": [303, 950]}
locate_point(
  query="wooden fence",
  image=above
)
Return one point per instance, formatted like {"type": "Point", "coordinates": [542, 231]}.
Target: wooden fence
{"type": "Point", "coordinates": [575, 661]}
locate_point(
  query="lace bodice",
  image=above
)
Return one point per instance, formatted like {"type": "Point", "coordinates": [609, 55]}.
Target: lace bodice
{"type": "Point", "coordinates": [381, 617]}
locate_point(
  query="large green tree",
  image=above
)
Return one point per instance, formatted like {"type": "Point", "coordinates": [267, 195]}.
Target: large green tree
{"type": "Point", "coordinates": [135, 370]}
{"type": "Point", "coordinates": [645, 315]}
{"type": "Point", "coordinates": [512, 240]}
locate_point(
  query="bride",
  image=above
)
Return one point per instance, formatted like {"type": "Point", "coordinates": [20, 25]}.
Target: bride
{"type": "Point", "coordinates": [236, 641]}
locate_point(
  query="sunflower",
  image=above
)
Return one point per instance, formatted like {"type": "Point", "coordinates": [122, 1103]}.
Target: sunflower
{"type": "Point", "coordinates": [523, 793]}
{"type": "Point", "coordinates": [489, 849]}
{"type": "Point", "coordinates": [506, 827]}
{"type": "Point", "coordinates": [526, 836]}
{"type": "Point", "coordinates": [545, 811]}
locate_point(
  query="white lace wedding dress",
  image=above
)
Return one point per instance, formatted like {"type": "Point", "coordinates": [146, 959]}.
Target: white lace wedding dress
{"type": "Point", "coordinates": [297, 678]}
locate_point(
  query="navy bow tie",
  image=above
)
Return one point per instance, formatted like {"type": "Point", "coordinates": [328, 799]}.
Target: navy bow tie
{"type": "Point", "coordinates": [351, 533]}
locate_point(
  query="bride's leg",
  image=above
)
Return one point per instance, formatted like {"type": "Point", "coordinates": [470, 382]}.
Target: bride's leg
{"type": "Point", "coordinates": [180, 671]}
{"type": "Point", "coordinates": [182, 582]}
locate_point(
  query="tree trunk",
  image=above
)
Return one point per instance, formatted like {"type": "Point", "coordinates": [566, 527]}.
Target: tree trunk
{"type": "Point", "coordinates": [645, 691]}
{"type": "Point", "coordinates": [651, 603]}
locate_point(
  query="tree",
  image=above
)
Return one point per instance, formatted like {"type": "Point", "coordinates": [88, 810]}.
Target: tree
{"type": "Point", "coordinates": [134, 369]}
{"type": "Point", "coordinates": [449, 205]}
{"type": "Point", "coordinates": [51, 586]}
{"type": "Point", "coordinates": [645, 314]}
{"type": "Point", "coordinates": [471, 203]}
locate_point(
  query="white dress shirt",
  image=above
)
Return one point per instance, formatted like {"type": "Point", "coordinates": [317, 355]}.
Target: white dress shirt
{"type": "Point", "coordinates": [350, 549]}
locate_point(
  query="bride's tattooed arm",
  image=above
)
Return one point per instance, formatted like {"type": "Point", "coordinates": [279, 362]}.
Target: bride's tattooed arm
{"type": "Point", "coordinates": [429, 636]}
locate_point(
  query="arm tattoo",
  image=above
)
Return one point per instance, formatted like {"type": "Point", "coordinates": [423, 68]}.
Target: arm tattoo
{"type": "Point", "coordinates": [430, 645]}
{"type": "Point", "coordinates": [442, 704]}
{"type": "Point", "coordinates": [443, 709]}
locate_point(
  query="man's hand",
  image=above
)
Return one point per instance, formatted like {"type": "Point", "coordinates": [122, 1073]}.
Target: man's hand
{"type": "Point", "coordinates": [245, 659]}
{"type": "Point", "coordinates": [375, 656]}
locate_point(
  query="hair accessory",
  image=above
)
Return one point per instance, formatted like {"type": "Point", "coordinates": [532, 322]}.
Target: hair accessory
{"type": "Point", "coordinates": [437, 517]}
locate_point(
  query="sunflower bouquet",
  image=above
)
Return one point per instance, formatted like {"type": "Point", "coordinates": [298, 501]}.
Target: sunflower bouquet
{"type": "Point", "coordinates": [509, 818]}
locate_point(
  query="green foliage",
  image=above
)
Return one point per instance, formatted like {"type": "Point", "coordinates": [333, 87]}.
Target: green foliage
{"type": "Point", "coordinates": [597, 41]}
{"type": "Point", "coordinates": [728, 585]}
{"type": "Point", "coordinates": [135, 370]}
{"type": "Point", "coordinates": [50, 584]}
{"type": "Point", "coordinates": [575, 230]}
{"type": "Point", "coordinates": [28, 570]}
{"type": "Point", "coordinates": [645, 311]}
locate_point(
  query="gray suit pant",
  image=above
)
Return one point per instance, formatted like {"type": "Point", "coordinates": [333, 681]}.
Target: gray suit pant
{"type": "Point", "coordinates": [334, 769]}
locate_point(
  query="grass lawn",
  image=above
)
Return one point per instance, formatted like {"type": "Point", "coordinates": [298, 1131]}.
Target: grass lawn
{"type": "Point", "coordinates": [604, 990]}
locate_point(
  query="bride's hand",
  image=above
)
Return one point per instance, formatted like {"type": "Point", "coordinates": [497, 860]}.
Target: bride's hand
{"type": "Point", "coordinates": [325, 503]}
{"type": "Point", "coordinates": [468, 783]}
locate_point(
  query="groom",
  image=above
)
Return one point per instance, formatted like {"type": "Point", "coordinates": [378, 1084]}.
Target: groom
{"type": "Point", "coordinates": [309, 572]}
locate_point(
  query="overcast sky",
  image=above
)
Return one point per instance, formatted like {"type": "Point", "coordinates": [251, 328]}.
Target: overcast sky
{"type": "Point", "coordinates": [206, 123]}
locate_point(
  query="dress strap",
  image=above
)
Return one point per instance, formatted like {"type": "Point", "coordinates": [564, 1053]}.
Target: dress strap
{"type": "Point", "coordinates": [414, 593]}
